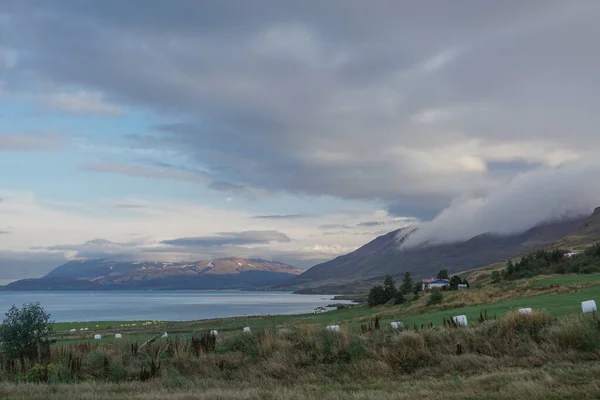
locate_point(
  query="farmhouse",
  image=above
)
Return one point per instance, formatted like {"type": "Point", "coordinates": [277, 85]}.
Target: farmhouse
{"type": "Point", "coordinates": [429, 284]}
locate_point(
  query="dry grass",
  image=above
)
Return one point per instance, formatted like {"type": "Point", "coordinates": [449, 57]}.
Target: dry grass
{"type": "Point", "coordinates": [556, 381]}
{"type": "Point", "coordinates": [516, 354]}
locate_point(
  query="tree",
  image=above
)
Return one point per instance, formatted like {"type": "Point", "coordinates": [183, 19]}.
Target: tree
{"type": "Point", "coordinates": [442, 274]}
{"type": "Point", "coordinates": [389, 288]}
{"type": "Point", "coordinates": [417, 288]}
{"type": "Point", "coordinates": [407, 283]}
{"type": "Point", "coordinates": [510, 268]}
{"type": "Point", "coordinates": [399, 299]}
{"type": "Point", "coordinates": [377, 296]}
{"type": "Point", "coordinates": [24, 331]}
{"type": "Point", "coordinates": [496, 277]}
{"type": "Point", "coordinates": [455, 281]}
{"type": "Point", "coordinates": [435, 297]}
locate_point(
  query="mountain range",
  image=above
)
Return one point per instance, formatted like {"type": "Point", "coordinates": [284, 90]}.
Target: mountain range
{"type": "Point", "coordinates": [385, 255]}
{"type": "Point", "coordinates": [349, 273]}
{"type": "Point", "coordinates": [102, 274]}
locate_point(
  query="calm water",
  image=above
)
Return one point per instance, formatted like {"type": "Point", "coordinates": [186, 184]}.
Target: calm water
{"type": "Point", "coordinates": [163, 305]}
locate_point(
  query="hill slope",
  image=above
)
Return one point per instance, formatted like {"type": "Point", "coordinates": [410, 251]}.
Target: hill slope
{"type": "Point", "coordinates": [225, 273]}
{"type": "Point", "coordinates": [384, 255]}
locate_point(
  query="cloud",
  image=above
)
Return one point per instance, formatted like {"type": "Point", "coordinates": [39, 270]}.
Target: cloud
{"type": "Point", "coordinates": [230, 239]}
{"type": "Point", "coordinates": [148, 172]}
{"type": "Point", "coordinates": [167, 231]}
{"type": "Point", "coordinates": [414, 120]}
{"type": "Point", "coordinates": [165, 171]}
{"type": "Point", "coordinates": [318, 101]}
{"type": "Point", "coordinates": [531, 198]}
{"type": "Point", "coordinates": [283, 216]}
{"type": "Point", "coordinates": [335, 226]}
{"type": "Point", "coordinates": [82, 102]}
{"type": "Point", "coordinates": [3, 232]}
{"type": "Point", "coordinates": [27, 264]}
{"type": "Point", "coordinates": [30, 142]}
{"type": "Point", "coordinates": [370, 223]}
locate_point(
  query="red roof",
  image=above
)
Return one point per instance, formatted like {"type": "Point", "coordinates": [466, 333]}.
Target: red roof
{"type": "Point", "coordinates": [432, 280]}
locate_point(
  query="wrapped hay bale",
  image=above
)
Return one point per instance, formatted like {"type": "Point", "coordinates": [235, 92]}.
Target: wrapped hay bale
{"type": "Point", "coordinates": [333, 328]}
{"type": "Point", "coordinates": [397, 325]}
{"type": "Point", "coordinates": [247, 329]}
{"type": "Point", "coordinates": [97, 337]}
{"type": "Point", "coordinates": [460, 320]}
{"type": "Point", "coordinates": [588, 306]}
{"type": "Point", "coordinates": [525, 310]}
{"type": "Point", "coordinates": [118, 336]}
{"type": "Point", "coordinates": [214, 333]}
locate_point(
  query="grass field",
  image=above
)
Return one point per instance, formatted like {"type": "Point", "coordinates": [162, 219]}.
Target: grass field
{"type": "Point", "coordinates": [526, 293]}
{"type": "Point", "coordinates": [553, 354]}
{"type": "Point", "coordinates": [574, 289]}
{"type": "Point", "coordinates": [562, 381]}
{"type": "Point", "coordinates": [567, 279]}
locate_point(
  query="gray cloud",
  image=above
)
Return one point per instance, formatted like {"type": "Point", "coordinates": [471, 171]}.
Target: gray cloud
{"type": "Point", "coordinates": [29, 142]}
{"type": "Point", "coordinates": [2, 232]}
{"type": "Point", "coordinates": [230, 239]}
{"type": "Point", "coordinates": [164, 171]}
{"type": "Point", "coordinates": [81, 102]}
{"type": "Point", "coordinates": [335, 226]}
{"type": "Point", "coordinates": [20, 265]}
{"type": "Point", "coordinates": [370, 223]}
{"type": "Point", "coordinates": [283, 216]}
{"type": "Point", "coordinates": [341, 99]}
{"type": "Point", "coordinates": [529, 199]}
{"type": "Point", "coordinates": [103, 245]}
{"type": "Point", "coordinates": [148, 172]}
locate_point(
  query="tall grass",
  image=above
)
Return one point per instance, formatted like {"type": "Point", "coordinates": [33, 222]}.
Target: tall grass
{"type": "Point", "coordinates": [305, 353]}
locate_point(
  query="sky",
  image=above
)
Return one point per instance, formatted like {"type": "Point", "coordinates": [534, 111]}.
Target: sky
{"type": "Point", "coordinates": [293, 131]}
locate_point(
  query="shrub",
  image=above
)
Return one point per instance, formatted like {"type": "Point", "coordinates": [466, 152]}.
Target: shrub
{"type": "Point", "coordinates": [399, 299]}
{"type": "Point", "coordinates": [377, 296]}
{"type": "Point", "coordinates": [25, 331]}
{"type": "Point", "coordinates": [436, 297]}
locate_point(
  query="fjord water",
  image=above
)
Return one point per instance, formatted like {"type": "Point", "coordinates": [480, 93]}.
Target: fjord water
{"type": "Point", "coordinates": [184, 305]}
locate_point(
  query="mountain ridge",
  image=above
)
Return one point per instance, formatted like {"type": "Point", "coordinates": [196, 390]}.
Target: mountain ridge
{"type": "Point", "coordinates": [385, 256]}
{"type": "Point", "coordinates": [106, 274]}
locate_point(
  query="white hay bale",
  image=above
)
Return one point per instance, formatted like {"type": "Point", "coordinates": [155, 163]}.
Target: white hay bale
{"type": "Point", "coordinates": [85, 329]}
{"type": "Point", "coordinates": [165, 335]}
{"type": "Point", "coordinates": [397, 325]}
{"type": "Point", "coordinates": [460, 320]}
{"type": "Point", "coordinates": [118, 336]}
{"type": "Point", "coordinates": [214, 333]}
{"type": "Point", "coordinates": [525, 310]}
{"type": "Point", "coordinates": [588, 306]}
{"type": "Point", "coordinates": [247, 329]}
{"type": "Point", "coordinates": [73, 330]}
{"type": "Point", "coordinates": [333, 328]}
{"type": "Point", "coordinates": [97, 337]}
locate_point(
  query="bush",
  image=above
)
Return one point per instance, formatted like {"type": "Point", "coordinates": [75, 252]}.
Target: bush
{"type": "Point", "coordinates": [25, 331]}
{"type": "Point", "coordinates": [399, 299]}
{"type": "Point", "coordinates": [436, 297]}
{"type": "Point", "coordinates": [377, 296]}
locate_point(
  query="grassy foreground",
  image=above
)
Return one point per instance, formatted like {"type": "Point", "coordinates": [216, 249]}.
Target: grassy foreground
{"type": "Point", "coordinates": [552, 354]}
{"type": "Point", "coordinates": [554, 381]}
{"type": "Point", "coordinates": [516, 356]}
